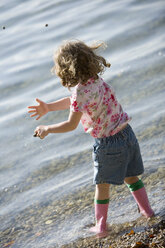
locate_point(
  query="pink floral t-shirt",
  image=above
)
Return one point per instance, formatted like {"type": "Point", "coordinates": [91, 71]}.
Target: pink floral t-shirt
{"type": "Point", "coordinates": [102, 116]}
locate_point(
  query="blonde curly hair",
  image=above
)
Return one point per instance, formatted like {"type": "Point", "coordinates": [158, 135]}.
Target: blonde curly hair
{"type": "Point", "coordinates": [75, 62]}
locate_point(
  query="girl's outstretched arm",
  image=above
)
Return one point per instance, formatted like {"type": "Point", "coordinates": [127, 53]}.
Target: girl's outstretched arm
{"type": "Point", "coordinates": [63, 103]}
{"type": "Point", "coordinates": [43, 108]}
{"type": "Point", "coordinates": [66, 126]}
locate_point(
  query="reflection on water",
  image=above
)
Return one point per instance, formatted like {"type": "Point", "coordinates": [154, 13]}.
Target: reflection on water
{"type": "Point", "coordinates": [46, 185]}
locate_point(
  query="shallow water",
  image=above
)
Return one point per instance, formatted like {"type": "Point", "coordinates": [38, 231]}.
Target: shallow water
{"type": "Point", "coordinates": [46, 195]}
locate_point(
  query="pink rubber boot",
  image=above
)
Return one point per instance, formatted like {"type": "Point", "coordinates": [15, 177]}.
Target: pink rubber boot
{"type": "Point", "coordinates": [101, 211]}
{"type": "Point", "coordinates": [141, 198]}
{"type": "Point", "coordinates": [139, 193]}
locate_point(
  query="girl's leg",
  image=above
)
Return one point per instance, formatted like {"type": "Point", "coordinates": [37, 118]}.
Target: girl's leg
{"type": "Point", "coordinates": [138, 191]}
{"type": "Point", "coordinates": [101, 209]}
{"type": "Point", "coordinates": [102, 191]}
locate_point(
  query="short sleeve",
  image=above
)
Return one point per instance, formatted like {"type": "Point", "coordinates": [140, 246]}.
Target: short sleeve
{"type": "Point", "coordinates": [76, 102]}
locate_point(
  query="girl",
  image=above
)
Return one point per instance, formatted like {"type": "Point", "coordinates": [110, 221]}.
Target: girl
{"type": "Point", "coordinates": [116, 152]}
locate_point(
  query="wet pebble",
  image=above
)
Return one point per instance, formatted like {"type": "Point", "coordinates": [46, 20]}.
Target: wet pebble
{"type": "Point", "coordinates": [48, 222]}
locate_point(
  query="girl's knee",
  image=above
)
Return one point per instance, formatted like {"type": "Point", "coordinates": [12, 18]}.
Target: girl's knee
{"type": "Point", "coordinates": [131, 180]}
{"type": "Point", "coordinates": [102, 186]}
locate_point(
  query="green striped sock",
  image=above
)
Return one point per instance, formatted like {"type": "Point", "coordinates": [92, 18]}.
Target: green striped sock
{"type": "Point", "coordinates": [135, 186]}
{"type": "Point", "coordinates": [101, 201]}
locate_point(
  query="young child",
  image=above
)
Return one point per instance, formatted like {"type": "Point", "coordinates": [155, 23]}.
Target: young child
{"type": "Point", "coordinates": [116, 152]}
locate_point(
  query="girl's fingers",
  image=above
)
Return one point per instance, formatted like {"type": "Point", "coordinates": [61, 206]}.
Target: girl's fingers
{"type": "Point", "coordinates": [38, 118]}
{"type": "Point", "coordinates": [34, 107]}
{"type": "Point", "coordinates": [31, 111]}
{"type": "Point", "coordinates": [36, 132]}
{"type": "Point", "coordinates": [34, 115]}
{"type": "Point", "coordinates": [38, 100]}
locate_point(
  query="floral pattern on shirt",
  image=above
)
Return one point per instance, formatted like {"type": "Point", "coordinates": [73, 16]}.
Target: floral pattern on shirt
{"type": "Point", "coordinates": [102, 114]}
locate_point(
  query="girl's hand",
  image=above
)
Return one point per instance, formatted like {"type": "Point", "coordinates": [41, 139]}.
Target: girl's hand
{"type": "Point", "coordinates": [39, 110]}
{"type": "Point", "coordinates": [41, 132]}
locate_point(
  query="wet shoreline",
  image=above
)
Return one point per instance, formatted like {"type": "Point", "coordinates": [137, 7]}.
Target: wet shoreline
{"type": "Point", "coordinates": [45, 221]}
{"type": "Point", "coordinates": [151, 233]}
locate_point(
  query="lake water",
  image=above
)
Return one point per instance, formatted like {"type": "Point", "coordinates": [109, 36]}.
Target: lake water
{"type": "Point", "coordinates": [46, 197]}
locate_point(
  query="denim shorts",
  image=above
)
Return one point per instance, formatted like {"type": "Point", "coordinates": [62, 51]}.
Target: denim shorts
{"type": "Point", "coordinates": [116, 157]}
